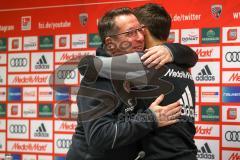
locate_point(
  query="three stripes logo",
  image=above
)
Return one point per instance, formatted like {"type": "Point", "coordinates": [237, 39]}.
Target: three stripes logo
{"type": "Point", "coordinates": [41, 131]}
{"type": "Point", "coordinates": [42, 63]}
{"type": "Point", "coordinates": [205, 152]}
{"type": "Point", "coordinates": [187, 104]}
{"type": "Point", "coordinates": [205, 74]}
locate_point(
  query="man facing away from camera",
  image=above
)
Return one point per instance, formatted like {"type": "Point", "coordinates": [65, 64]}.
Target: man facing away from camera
{"type": "Point", "coordinates": [175, 141]}
{"type": "Point", "coordinates": [107, 136]}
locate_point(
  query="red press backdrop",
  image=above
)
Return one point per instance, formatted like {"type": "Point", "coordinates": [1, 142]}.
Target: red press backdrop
{"type": "Point", "coordinates": [36, 37]}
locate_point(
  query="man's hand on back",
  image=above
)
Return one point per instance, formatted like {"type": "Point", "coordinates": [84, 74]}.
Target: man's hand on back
{"type": "Point", "coordinates": [166, 115]}
{"type": "Point", "coordinates": [157, 56]}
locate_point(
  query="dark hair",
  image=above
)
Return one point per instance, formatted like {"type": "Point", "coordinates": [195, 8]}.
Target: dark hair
{"type": "Point", "coordinates": [155, 18]}
{"type": "Point", "coordinates": [107, 26]}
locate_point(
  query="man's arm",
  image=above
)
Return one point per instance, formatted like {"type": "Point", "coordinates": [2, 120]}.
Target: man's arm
{"type": "Point", "coordinates": [170, 52]}
{"type": "Point", "coordinates": [183, 55]}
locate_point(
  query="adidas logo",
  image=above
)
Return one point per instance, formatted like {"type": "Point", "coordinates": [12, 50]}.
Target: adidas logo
{"type": "Point", "coordinates": [42, 63]}
{"type": "Point", "coordinates": [205, 153]}
{"type": "Point", "coordinates": [205, 74]}
{"type": "Point", "coordinates": [41, 131]}
{"type": "Point", "coordinates": [187, 103]}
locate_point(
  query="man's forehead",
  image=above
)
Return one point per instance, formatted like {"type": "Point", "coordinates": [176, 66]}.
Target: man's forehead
{"type": "Point", "coordinates": [126, 21]}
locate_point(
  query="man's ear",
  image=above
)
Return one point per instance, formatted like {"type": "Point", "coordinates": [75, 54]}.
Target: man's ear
{"type": "Point", "coordinates": [110, 45]}
{"type": "Point", "coordinates": [108, 40]}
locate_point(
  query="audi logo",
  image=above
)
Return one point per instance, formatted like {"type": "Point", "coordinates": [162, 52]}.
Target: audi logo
{"type": "Point", "coordinates": [233, 136]}
{"type": "Point", "coordinates": [64, 143]}
{"type": "Point", "coordinates": [232, 56]}
{"type": "Point", "coordinates": [18, 128]}
{"type": "Point", "coordinates": [66, 74]}
{"type": "Point", "coordinates": [18, 62]}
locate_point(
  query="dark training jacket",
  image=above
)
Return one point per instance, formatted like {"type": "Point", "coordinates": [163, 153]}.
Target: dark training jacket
{"type": "Point", "coordinates": [108, 128]}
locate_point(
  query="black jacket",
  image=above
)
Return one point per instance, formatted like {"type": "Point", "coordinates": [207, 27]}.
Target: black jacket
{"type": "Point", "coordinates": [110, 132]}
{"type": "Point", "coordinates": [174, 142]}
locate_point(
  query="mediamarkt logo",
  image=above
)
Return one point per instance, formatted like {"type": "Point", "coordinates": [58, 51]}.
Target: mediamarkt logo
{"type": "Point", "coordinates": [29, 147]}
{"type": "Point", "coordinates": [234, 156]}
{"type": "Point", "coordinates": [31, 79]}
{"type": "Point", "coordinates": [234, 78]}
{"type": "Point", "coordinates": [203, 131]}
{"type": "Point", "coordinates": [202, 53]}
{"type": "Point", "coordinates": [66, 126]}
{"type": "Point", "coordinates": [179, 74]}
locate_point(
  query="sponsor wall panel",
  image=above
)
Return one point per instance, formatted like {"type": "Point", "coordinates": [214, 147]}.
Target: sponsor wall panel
{"type": "Point", "coordinates": [39, 80]}
{"type": "Point", "coordinates": [208, 149]}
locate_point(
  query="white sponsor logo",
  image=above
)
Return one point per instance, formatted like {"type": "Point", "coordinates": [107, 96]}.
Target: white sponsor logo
{"type": "Point", "coordinates": [187, 103]}
{"type": "Point", "coordinates": [3, 58]}
{"type": "Point", "coordinates": [207, 149]}
{"type": "Point", "coordinates": [2, 156]}
{"type": "Point", "coordinates": [196, 94]}
{"type": "Point", "coordinates": [178, 74]}
{"type": "Point", "coordinates": [3, 76]}
{"type": "Point", "coordinates": [79, 41]}
{"type": "Point", "coordinates": [62, 41]}
{"type": "Point", "coordinates": [15, 44]}
{"type": "Point", "coordinates": [231, 57]}
{"type": "Point", "coordinates": [62, 110]}
{"type": "Point", "coordinates": [42, 129]}
{"type": "Point", "coordinates": [29, 79]}
{"type": "Point", "coordinates": [44, 157]}
{"type": "Point", "coordinates": [54, 25]}
{"type": "Point", "coordinates": [206, 72]}
{"type": "Point", "coordinates": [29, 157]}
{"type": "Point", "coordinates": [206, 130]}
{"type": "Point", "coordinates": [173, 36]}
{"type": "Point", "coordinates": [18, 62]}
{"type": "Point", "coordinates": [66, 74]}
{"type": "Point", "coordinates": [30, 110]}
{"type": "Point", "coordinates": [230, 114]}
{"type": "Point", "coordinates": [30, 43]}
{"type": "Point", "coordinates": [207, 52]}
{"type": "Point", "coordinates": [74, 110]}
{"type": "Point", "coordinates": [45, 94]}
{"type": "Point", "coordinates": [14, 109]}
{"type": "Point", "coordinates": [210, 94]}
{"type": "Point", "coordinates": [190, 36]}
{"type": "Point", "coordinates": [74, 92]}
{"type": "Point", "coordinates": [2, 124]}
{"type": "Point", "coordinates": [230, 136]}
{"type": "Point", "coordinates": [196, 113]}
{"type": "Point", "coordinates": [230, 155]}
{"type": "Point", "coordinates": [6, 28]}
{"type": "Point", "coordinates": [186, 17]}
{"type": "Point", "coordinates": [26, 23]}
{"type": "Point", "coordinates": [2, 141]}
{"type": "Point", "coordinates": [18, 129]}
{"type": "Point", "coordinates": [42, 61]}
{"type": "Point", "coordinates": [231, 77]}
{"type": "Point", "coordinates": [72, 56]}
{"type": "Point", "coordinates": [31, 147]}
{"type": "Point", "coordinates": [3, 95]}
{"type": "Point", "coordinates": [62, 143]}
{"type": "Point", "coordinates": [65, 126]}
{"type": "Point", "coordinates": [29, 93]}
{"type": "Point", "coordinates": [231, 34]}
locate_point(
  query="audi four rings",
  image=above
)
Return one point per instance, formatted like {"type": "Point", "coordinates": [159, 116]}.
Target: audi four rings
{"type": "Point", "coordinates": [18, 62]}
{"type": "Point", "coordinates": [233, 136]}
{"type": "Point", "coordinates": [18, 128]}
{"type": "Point", "coordinates": [64, 143]}
{"type": "Point", "coordinates": [66, 74]}
{"type": "Point", "coordinates": [232, 56]}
